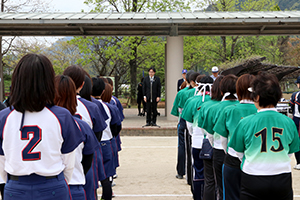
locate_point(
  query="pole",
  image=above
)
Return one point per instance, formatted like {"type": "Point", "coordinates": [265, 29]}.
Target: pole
{"type": "Point", "coordinates": [2, 94]}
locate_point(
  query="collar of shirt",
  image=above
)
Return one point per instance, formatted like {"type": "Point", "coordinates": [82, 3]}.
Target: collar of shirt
{"type": "Point", "coordinates": [247, 101]}
{"type": "Point", "coordinates": [267, 109]}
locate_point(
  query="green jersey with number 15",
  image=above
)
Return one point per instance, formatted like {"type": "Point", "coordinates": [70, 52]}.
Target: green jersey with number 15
{"type": "Point", "coordinates": [266, 138]}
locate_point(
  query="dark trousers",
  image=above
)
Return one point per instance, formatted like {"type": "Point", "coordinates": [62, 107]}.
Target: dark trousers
{"type": "Point", "coordinates": [151, 110]}
{"type": "Point", "coordinates": [140, 101]}
{"type": "Point", "coordinates": [209, 181]}
{"type": "Point", "coordinates": [181, 129]}
{"type": "Point", "coordinates": [231, 182]}
{"type": "Point", "coordinates": [218, 160]}
{"type": "Point", "coordinates": [297, 154]}
{"type": "Point", "coordinates": [188, 158]}
{"type": "Point", "coordinates": [277, 187]}
{"type": "Point", "coordinates": [198, 179]}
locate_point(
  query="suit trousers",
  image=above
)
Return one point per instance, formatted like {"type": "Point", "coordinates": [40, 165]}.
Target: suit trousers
{"type": "Point", "coordinates": [151, 110]}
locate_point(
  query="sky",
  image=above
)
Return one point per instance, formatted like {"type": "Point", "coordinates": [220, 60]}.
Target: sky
{"type": "Point", "coordinates": [68, 6]}
{"type": "Point", "coordinates": [61, 6]}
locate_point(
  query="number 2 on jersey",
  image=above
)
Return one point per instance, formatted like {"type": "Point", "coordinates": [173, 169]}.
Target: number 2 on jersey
{"type": "Point", "coordinates": [263, 134]}
{"type": "Point", "coordinates": [27, 154]}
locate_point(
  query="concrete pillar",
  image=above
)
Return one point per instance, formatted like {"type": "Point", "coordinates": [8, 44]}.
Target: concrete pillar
{"type": "Point", "coordinates": [174, 66]}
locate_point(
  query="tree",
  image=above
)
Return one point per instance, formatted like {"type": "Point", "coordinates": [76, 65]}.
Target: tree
{"type": "Point", "coordinates": [62, 54]}
{"type": "Point", "coordinates": [134, 42]}
{"type": "Point", "coordinates": [228, 44]}
{"type": "Point", "coordinates": [15, 6]}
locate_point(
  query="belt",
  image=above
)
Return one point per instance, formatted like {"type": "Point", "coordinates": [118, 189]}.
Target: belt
{"type": "Point", "coordinates": [16, 178]}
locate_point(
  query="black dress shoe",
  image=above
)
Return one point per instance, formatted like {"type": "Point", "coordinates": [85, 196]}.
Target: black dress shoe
{"type": "Point", "coordinates": [148, 124]}
{"type": "Point", "coordinates": [154, 124]}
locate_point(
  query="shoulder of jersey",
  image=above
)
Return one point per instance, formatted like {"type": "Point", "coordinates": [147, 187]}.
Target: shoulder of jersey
{"type": "Point", "coordinates": [5, 112]}
{"type": "Point", "coordinates": [83, 125]}
{"type": "Point", "coordinates": [88, 103]}
{"type": "Point", "coordinates": [59, 109]}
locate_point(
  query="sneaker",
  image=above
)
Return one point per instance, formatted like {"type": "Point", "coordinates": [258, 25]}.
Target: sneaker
{"type": "Point", "coordinates": [297, 167]}
{"type": "Point", "coordinates": [179, 176]}
{"type": "Point", "coordinates": [115, 176]}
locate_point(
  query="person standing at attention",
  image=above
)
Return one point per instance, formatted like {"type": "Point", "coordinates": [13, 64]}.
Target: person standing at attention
{"type": "Point", "coordinates": [180, 81]}
{"type": "Point", "coordinates": [140, 98]}
{"type": "Point", "coordinates": [295, 105]}
{"type": "Point", "coordinates": [151, 91]}
{"type": "Point", "coordinates": [215, 72]}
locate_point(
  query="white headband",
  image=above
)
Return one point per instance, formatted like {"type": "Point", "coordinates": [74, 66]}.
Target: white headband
{"type": "Point", "coordinates": [227, 94]}
{"type": "Point", "coordinates": [203, 89]}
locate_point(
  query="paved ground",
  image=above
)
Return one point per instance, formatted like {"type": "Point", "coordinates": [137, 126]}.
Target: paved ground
{"type": "Point", "coordinates": [133, 121]}
{"type": "Point", "coordinates": [147, 171]}
{"type": "Point", "coordinates": [148, 164]}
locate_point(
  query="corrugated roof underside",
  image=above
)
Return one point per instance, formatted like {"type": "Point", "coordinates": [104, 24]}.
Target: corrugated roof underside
{"type": "Point", "coordinates": [151, 16]}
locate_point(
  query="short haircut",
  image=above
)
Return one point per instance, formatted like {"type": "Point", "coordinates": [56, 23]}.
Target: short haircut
{"type": "Point", "coordinates": [228, 84]}
{"type": "Point", "coordinates": [206, 79]}
{"type": "Point", "coordinates": [242, 85]}
{"type": "Point", "coordinates": [199, 77]}
{"type": "Point", "coordinates": [107, 94]}
{"type": "Point", "coordinates": [98, 87]}
{"type": "Point", "coordinates": [111, 83]}
{"type": "Point", "coordinates": [193, 76]}
{"type": "Point", "coordinates": [267, 87]}
{"type": "Point", "coordinates": [187, 76]}
{"type": "Point", "coordinates": [65, 95]}
{"type": "Point", "coordinates": [76, 73]}
{"type": "Point", "coordinates": [215, 89]}
{"type": "Point", "coordinates": [32, 85]}
{"type": "Point", "coordinates": [104, 79]}
{"type": "Point", "coordinates": [152, 69]}
{"type": "Point", "coordinates": [86, 90]}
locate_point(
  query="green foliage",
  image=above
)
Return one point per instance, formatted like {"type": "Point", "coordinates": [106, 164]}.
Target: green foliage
{"type": "Point", "coordinates": [289, 4]}
{"type": "Point", "coordinates": [141, 5]}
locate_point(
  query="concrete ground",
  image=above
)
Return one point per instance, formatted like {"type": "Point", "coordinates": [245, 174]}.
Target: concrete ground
{"type": "Point", "coordinates": [148, 168]}
{"type": "Point", "coordinates": [148, 163]}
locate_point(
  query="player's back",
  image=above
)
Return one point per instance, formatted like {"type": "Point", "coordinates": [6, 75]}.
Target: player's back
{"type": "Point", "coordinates": [45, 135]}
{"type": "Point", "coordinates": [268, 138]}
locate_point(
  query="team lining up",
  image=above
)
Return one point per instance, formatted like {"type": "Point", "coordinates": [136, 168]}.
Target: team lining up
{"type": "Point", "coordinates": [233, 144]}
{"type": "Point", "coordinates": [60, 135]}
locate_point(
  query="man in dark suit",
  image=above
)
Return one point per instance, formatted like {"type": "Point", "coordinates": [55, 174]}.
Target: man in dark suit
{"type": "Point", "coordinates": [180, 81]}
{"type": "Point", "coordinates": [151, 91]}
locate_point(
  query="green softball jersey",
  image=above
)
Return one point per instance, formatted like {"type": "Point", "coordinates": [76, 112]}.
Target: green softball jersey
{"type": "Point", "coordinates": [230, 117]}
{"type": "Point", "coordinates": [175, 110]}
{"type": "Point", "coordinates": [213, 113]}
{"type": "Point", "coordinates": [189, 112]}
{"type": "Point", "coordinates": [266, 138]}
{"type": "Point", "coordinates": [185, 95]}
{"type": "Point", "coordinates": [203, 111]}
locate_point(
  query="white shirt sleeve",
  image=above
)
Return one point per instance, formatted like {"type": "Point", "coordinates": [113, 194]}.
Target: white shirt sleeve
{"type": "Point", "coordinates": [224, 142]}
{"type": "Point", "coordinates": [3, 173]}
{"type": "Point", "coordinates": [210, 137]}
{"type": "Point", "coordinates": [69, 162]}
{"type": "Point", "coordinates": [189, 126]}
{"type": "Point", "coordinates": [236, 154]}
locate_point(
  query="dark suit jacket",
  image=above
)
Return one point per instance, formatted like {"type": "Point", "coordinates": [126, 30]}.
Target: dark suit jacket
{"type": "Point", "coordinates": [179, 82]}
{"type": "Point", "coordinates": [156, 88]}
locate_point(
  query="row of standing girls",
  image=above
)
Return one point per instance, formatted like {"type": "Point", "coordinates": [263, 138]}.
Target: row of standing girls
{"type": "Point", "coordinates": [56, 139]}
{"type": "Point", "coordinates": [251, 141]}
